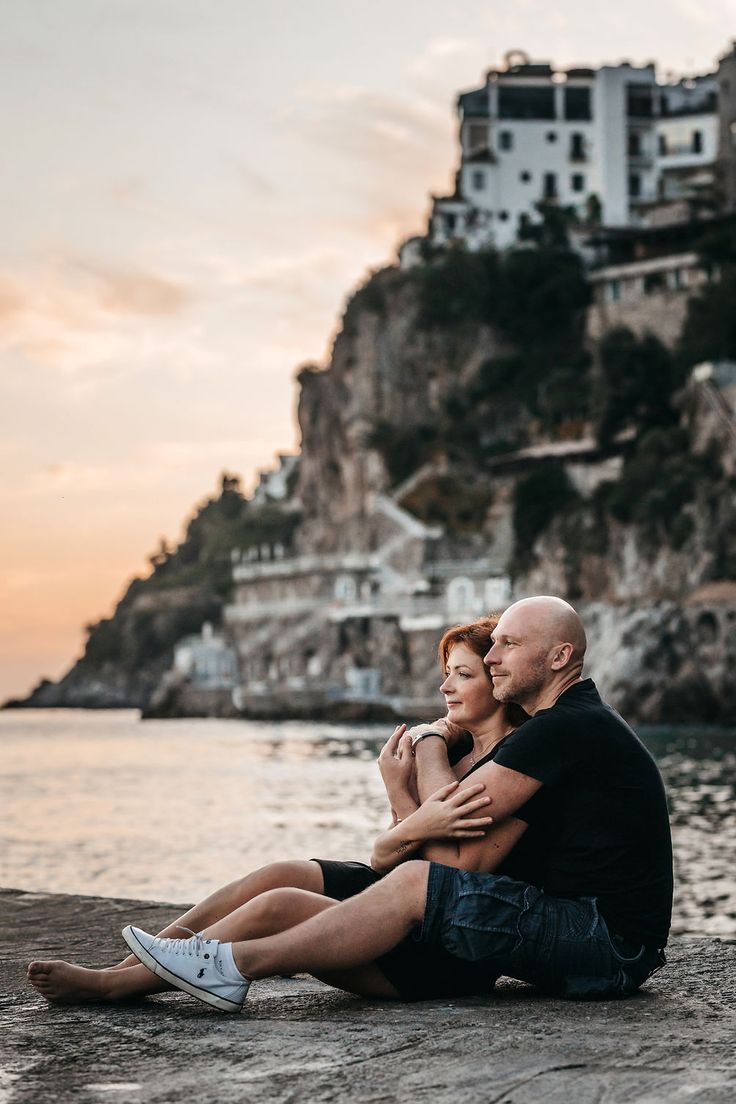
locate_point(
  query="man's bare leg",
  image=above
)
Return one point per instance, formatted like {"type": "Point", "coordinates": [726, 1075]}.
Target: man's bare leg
{"type": "Point", "coordinates": [348, 934]}
{"type": "Point", "coordinates": [304, 874]}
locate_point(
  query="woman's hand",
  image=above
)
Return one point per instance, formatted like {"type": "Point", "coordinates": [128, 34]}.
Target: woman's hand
{"type": "Point", "coordinates": [396, 765]}
{"type": "Point", "coordinates": [448, 814]}
{"type": "Point", "coordinates": [450, 732]}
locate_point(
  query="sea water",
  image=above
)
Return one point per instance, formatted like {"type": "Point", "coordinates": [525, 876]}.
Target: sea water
{"type": "Point", "coordinates": [102, 803]}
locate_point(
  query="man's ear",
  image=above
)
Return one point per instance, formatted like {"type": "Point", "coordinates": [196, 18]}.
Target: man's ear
{"type": "Point", "coordinates": [561, 656]}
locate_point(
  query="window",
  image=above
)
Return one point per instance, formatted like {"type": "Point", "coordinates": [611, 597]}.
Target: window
{"type": "Point", "coordinates": [536, 101]}
{"type": "Point", "coordinates": [577, 146]}
{"type": "Point", "coordinates": [450, 221]}
{"type": "Point", "coordinates": [577, 103]}
{"type": "Point", "coordinates": [697, 144]}
{"type": "Point", "coordinates": [676, 281]}
{"type": "Point", "coordinates": [613, 291]}
{"type": "Point", "coordinates": [551, 136]}
{"type": "Point", "coordinates": [634, 185]}
{"type": "Point", "coordinates": [577, 182]}
{"type": "Point", "coordinates": [503, 215]}
{"type": "Point", "coordinates": [477, 136]}
{"type": "Point", "coordinates": [478, 179]}
{"type": "Point", "coordinates": [525, 177]}
{"type": "Point", "coordinates": [505, 139]}
{"type": "Point", "coordinates": [461, 595]}
{"type": "Point", "coordinates": [634, 143]}
{"type": "Point", "coordinates": [653, 281]}
{"type": "Point", "coordinates": [550, 185]}
{"type": "Point", "coordinates": [640, 101]}
{"type": "Point", "coordinates": [662, 145]}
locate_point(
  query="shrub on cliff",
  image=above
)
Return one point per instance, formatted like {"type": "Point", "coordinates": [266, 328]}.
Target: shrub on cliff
{"type": "Point", "coordinates": [457, 289]}
{"type": "Point", "coordinates": [540, 300]}
{"type": "Point", "coordinates": [658, 482]}
{"type": "Point", "coordinates": [403, 449]}
{"type": "Point", "coordinates": [534, 296]}
{"type": "Point", "coordinates": [540, 497]}
{"type": "Point", "coordinates": [709, 332]}
{"type": "Point", "coordinates": [636, 381]}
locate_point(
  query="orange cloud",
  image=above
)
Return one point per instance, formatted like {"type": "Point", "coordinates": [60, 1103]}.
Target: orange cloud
{"type": "Point", "coordinates": [134, 291]}
{"type": "Point", "coordinates": [73, 313]}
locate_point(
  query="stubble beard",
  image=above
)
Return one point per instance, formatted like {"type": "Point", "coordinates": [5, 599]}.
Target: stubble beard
{"type": "Point", "coordinates": [523, 687]}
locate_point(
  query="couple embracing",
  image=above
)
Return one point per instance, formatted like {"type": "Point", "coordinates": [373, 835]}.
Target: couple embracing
{"type": "Point", "coordinates": [529, 839]}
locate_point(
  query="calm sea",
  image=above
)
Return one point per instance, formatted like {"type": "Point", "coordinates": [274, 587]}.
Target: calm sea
{"type": "Point", "coordinates": [103, 803]}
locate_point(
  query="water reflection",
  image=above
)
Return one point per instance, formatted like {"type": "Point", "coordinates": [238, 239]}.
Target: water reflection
{"type": "Point", "coordinates": [699, 769]}
{"type": "Point", "coordinates": [101, 803]}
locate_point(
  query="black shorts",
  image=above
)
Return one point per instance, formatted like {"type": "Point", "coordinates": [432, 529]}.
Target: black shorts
{"type": "Point", "coordinates": [416, 970]}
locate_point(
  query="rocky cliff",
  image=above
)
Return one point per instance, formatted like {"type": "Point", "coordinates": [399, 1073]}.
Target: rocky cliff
{"type": "Point", "coordinates": [604, 473]}
{"type": "Point", "coordinates": [467, 390]}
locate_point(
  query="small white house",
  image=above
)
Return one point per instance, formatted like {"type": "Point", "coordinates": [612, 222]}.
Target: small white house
{"type": "Point", "coordinates": [207, 660]}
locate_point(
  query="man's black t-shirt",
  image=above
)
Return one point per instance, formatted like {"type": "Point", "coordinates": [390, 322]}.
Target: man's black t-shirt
{"type": "Point", "coordinates": [600, 819]}
{"type": "Point", "coordinates": [527, 861]}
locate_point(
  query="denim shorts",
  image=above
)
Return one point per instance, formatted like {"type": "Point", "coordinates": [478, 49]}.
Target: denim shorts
{"type": "Point", "coordinates": [562, 946]}
{"type": "Point", "coordinates": [416, 970]}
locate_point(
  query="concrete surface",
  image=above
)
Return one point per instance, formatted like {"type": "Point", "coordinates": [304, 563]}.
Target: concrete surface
{"type": "Point", "coordinates": [298, 1040]}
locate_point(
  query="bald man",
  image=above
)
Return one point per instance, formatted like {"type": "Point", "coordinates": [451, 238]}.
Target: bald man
{"type": "Point", "coordinates": [593, 921]}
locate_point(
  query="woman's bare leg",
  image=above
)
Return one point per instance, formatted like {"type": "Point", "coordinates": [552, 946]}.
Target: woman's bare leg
{"type": "Point", "coordinates": [304, 874]}
{"type": "Point", "coordinates": [271, 912]}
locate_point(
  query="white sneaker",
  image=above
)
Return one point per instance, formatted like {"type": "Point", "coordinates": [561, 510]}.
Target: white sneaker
{"type": "Point", "coordinates": [205, 968]}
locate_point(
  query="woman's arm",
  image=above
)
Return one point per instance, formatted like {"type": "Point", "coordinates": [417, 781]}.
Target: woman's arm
{"type": "Point", "coordinates": [445, 815]}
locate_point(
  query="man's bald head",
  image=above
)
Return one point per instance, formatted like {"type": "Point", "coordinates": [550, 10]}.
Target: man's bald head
{"type": "Point", "coordinates": [551, 621]}
{"type": "Point", "coordinates": [538, 650]}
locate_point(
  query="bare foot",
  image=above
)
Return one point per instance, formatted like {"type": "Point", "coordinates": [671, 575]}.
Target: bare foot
{"type": "Point", "coordinates": [64, 983]}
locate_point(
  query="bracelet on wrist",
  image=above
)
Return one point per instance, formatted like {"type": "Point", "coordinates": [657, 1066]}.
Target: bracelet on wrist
{"type": "Point", "coordinates": [423, 736]}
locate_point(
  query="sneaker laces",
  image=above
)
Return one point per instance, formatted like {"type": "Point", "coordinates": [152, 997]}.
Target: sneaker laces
{"type": "Point", "coordinates": [193, 946]}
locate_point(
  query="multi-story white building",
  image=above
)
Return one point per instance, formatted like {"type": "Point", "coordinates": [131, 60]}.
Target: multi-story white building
{"type": "Point", "coordinates": [608, 142]}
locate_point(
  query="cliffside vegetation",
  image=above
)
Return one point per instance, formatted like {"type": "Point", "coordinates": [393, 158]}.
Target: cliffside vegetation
{"type": "Point", "coordinates": [548, 383]}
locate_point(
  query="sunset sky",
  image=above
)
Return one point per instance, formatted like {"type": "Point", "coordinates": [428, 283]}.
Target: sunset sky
{"type": "Point", "coordinates": [190, 190]}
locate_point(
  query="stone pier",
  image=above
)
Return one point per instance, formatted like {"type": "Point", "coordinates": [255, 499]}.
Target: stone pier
{"type": "Point", "coordinates": [298, 1040]}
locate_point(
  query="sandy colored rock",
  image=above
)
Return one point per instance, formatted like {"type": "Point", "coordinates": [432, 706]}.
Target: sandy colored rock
{"type": "Point", "coordinates": [298, 1040]}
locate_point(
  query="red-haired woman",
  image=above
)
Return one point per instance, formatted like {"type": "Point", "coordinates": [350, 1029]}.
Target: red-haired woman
{"type": "Point", "coordinates": [261, 903]}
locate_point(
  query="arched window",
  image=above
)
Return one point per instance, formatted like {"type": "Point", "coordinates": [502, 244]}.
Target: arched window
{"type": "Point", "coordinates": [345, 588]}
{"type": "Point", "coordinates": [461, 595]}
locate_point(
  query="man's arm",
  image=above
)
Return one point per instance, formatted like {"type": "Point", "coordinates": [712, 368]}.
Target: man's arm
{"type": "Point", "coordinates": [451, 813]}
{"type": "Point", "coordinates": [508, 791]}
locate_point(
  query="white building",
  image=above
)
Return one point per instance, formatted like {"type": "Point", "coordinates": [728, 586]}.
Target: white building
{"type": "Point", "coordinates": [608, 142]}
{"type": "Point", "coordinates": [276, 485]}
{"type": "Point", "coordinates": [687, 137]}
{"type": "Point", "coordinates": [206, 660]}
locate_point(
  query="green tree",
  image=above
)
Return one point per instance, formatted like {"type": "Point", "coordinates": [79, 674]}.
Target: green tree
{"type": "Point", "coordinates": [634, 388]}
{"type": "Point", "coordinates": [539, 498]}
{"type": "Point", "coordinates": [709, 332]}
